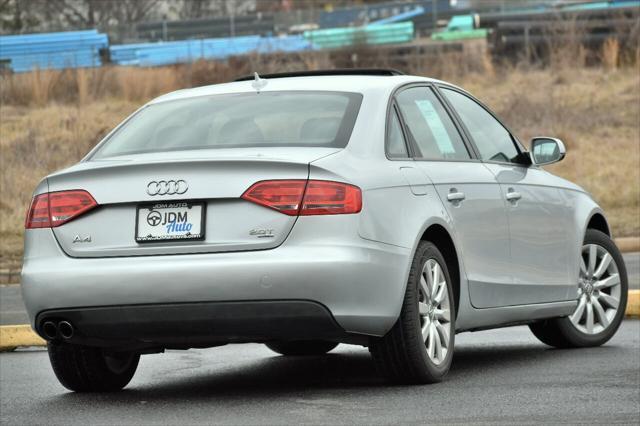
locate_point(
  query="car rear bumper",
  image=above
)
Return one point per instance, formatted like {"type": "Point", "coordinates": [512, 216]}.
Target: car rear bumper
{"type": "Point", "coordinates": [360, 284]}
{"type": "Point", "coordinates": [186, 325]}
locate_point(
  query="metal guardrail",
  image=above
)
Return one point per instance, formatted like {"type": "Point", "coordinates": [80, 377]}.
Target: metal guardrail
{"type": "Point", "coordinates": [206, 28]}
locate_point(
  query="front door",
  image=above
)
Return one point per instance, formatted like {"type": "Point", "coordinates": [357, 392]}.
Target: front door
{"type": "Point", "coordinates": [540, 263]}
{"type": "Point", "coordinates": [542, 257]}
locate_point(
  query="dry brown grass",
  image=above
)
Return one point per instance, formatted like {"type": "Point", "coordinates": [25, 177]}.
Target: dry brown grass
{"type": "Point", "coordinates": [34, 141]}
{"type": "Point", "coordinates": [79, 86]}
{"type": "Point", "coordinates": [610, 53]}
{"type": "Point", "coordinates": [49, 120]}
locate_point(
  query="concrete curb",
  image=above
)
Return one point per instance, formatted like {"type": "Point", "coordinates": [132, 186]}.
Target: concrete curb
{"type": "Point", "coordinates": [10, 276]}
{"type": "Point", "coordinates": [628, 244]}
{"type": "Point", "coordinates": [633, 304]}
{"type": "Point", "coordinates": [13, 336]}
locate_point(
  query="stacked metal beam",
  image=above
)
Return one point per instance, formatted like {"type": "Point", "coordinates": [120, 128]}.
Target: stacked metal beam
{"type": "Point", "coordinates": [335, 38]}
{"type": "Point", "coordinates": [156, 54]}
{"type": "Point", "coordinates": [74, 49]}
{"type": "Point", "coordinates": [533, 32]}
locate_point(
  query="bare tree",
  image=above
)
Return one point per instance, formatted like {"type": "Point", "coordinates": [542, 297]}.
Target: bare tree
{"type": "Point", "coordinates": [17, 16]}
{"type": "Point", "coordinates": [131, 11]}
{"type": "Point", "coordinates": [193, 9]}
{"type": "Point", "coordinates": [93, 13]}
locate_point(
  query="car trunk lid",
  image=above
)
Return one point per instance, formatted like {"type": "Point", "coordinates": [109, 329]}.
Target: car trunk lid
{"type": "Point", "coordinates": [215, 178]}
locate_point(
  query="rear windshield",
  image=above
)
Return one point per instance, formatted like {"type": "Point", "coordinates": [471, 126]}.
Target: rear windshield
{"type": "Point", "coordinates": [238, 120]}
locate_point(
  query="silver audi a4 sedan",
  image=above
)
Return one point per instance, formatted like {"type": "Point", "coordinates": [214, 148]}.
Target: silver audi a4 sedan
{"type": "Point", "coordinates": [304, 210]}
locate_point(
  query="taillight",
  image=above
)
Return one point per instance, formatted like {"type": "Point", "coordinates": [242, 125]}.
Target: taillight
{"type": "Point", "coordinates": [38, 214]}
{"type": "Point", "coordinates": [306, 198]}
{"type": "Point", "coordinates": [56, 208]}
{"type": "Point", "coordinates": [281, 195]}
{"type": "Point", "coordinates": [324, 197]}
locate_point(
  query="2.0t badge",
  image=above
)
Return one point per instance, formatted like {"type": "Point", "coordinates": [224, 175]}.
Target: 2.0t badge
{"type": "Point", "coordinates": [167, 187]}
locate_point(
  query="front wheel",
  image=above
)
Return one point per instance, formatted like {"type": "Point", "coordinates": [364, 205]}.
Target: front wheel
{"type": "Point", "coordinates": [602, 298]}
{"type": "Point", "coordinates": [419, 347]}
{"type": "Point", "coordinates": [88, 369]}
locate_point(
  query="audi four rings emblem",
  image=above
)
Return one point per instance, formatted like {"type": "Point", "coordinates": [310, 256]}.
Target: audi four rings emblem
{"type": "Point", "coordinates": [167, 187]}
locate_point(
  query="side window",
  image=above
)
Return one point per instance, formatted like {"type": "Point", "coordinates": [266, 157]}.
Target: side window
{"type": "Point", "coordinates": [429, 126]}
{"type": "Point", "coordinates": [490, 137]}
{"type": "Point", "coordinates": [396, 146]}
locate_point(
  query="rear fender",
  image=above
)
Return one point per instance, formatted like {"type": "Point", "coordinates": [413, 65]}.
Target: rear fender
{"type": "Point", "coordinates": [382, 220]}
{"type": "Point", "coordinates": [423, 235]}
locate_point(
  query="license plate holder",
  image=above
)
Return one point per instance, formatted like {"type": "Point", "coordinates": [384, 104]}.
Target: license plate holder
{"type": "Point", "coordinates": [170, 221]}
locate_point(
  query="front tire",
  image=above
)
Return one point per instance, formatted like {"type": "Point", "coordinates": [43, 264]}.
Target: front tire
{"type": "Point", "coordinates": [302, 347]}
{"type": "Point", "coordinates": [88, 369]}
{"type": "Point", "coordinates": [419, 347]}
{"type": "Point", "coordinates": [602, 298]}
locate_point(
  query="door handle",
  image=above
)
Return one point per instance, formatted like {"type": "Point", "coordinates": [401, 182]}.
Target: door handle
{"type": "Point", "coordinates": [455, 196]}
{"type": "Point", "coordinates": [512, 195]}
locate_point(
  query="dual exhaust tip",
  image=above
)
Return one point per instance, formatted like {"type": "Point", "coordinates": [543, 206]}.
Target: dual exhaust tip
{"type": "Point", "coordinates": [63, 329]}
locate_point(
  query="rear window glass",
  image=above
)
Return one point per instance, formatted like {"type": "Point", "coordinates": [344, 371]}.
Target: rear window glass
{"type": "Point", "coordinates": [263, 119]}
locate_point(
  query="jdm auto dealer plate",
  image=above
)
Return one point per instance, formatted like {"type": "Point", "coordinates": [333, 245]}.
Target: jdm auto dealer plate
{"type": "Point", "coordinates": [170, 221]}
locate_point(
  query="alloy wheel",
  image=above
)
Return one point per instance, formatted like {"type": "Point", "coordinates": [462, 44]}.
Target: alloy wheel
{"type": "Point", "coordinates": [435, 311]}
{"type": "Point", "coordinates": [598, 290]}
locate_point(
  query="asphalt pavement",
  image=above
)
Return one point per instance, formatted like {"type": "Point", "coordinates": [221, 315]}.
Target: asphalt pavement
{"type": "Point", "coordinates": [498, 377]}
{"type": "Point", "coordinates": [12, 309]}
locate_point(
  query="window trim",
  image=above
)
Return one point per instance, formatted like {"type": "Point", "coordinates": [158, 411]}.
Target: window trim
{"type": "Point", "coordinates": [471, 149]}
{"type": "Point", "coordinates": [393, 109]}
{"type": "Point", "coordinates": [514, 140]}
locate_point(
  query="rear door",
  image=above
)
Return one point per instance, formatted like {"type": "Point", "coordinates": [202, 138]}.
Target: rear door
{"type": "Point", "coordinates": [468, 190]}
{"type": "Point", "coordinates": [539, 216]}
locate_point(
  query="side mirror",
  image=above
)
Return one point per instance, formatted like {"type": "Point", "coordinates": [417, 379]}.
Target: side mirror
{"type": "Point", "coordinates": [547, 150]}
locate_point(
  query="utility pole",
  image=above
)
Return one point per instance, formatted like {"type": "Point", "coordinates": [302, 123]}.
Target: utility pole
{"type": "Point", "coordinates": [434, 14]}
{"type": "Point", "coordinates": [232, 17]}
{"type": "Point", "coordinates": [164, 28]}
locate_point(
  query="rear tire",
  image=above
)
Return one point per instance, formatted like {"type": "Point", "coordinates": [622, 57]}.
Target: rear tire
{"type": "Point", "coordinates": [302, 347]}
{"type": "Point", "coordinates": [419, 347]}
{"type": "Point", "coordinates": [595, 320]}
{"type": "Point", "coordinates": [89, 369]}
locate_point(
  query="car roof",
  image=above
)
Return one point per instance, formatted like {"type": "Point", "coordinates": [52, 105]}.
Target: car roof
{"type": "Point", "coordinates": [337, 83]}
{"type": "Point", "coordinates": [337, 71]}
